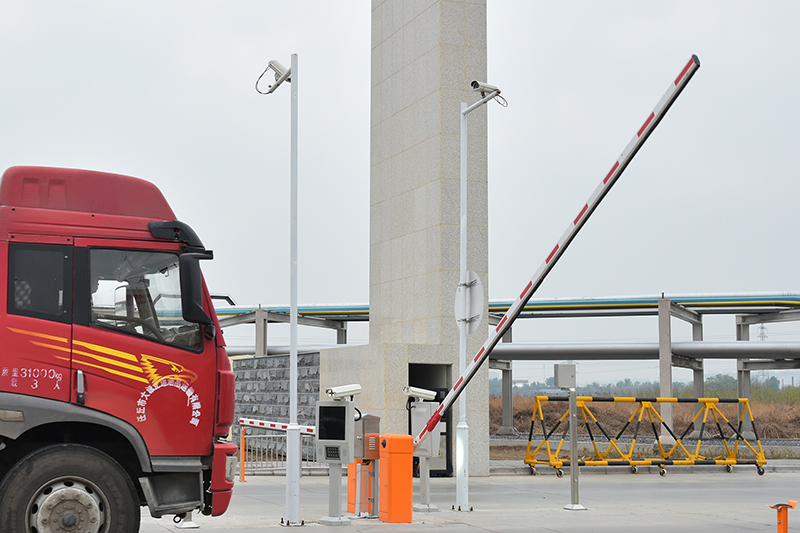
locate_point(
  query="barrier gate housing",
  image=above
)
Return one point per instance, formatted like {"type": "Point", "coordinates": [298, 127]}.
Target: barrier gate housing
{"type": "Point", "coordinates": [611, 452]}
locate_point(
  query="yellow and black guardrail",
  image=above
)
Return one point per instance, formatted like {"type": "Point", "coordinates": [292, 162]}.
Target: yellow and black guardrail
{"type": "Point", "coordinates": [627, 454]}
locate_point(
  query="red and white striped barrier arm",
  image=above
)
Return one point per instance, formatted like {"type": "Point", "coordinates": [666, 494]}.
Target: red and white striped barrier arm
{"type": "Point", "coordinates": [280, 426]}
{"type": "Point", "coordinates": [575, 226]}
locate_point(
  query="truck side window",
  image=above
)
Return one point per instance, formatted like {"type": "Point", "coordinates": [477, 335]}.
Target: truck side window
{"type": "Point", "coordinates": [40, 281]}
{"type": "Point", "coordinates": [139, 292]}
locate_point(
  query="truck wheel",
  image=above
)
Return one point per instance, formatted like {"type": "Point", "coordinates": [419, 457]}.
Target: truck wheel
{"type": "Point", "coordinates": [68, 487]}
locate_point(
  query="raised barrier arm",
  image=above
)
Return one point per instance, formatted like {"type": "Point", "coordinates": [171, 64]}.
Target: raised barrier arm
{"type": "Point", "coordinates": [574, 227]}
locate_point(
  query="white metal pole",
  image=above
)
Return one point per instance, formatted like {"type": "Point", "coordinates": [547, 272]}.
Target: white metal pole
{"type": "Point", "coordinates": [575, 504]}
{"type": "Point", "coordinates": [293, 431]}
{"type": "Point", "coordinates": [462, 430]}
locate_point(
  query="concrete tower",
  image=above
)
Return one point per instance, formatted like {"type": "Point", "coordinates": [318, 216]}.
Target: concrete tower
{"type": "Point", "coordinates": [424, 55]}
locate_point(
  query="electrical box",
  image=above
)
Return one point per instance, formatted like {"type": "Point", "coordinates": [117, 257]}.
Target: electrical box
{"type": "Point", "coordinates": [564, 376]}
{"type": "Point", "coordinates": [335, 431]}
{"type": "Point", "coordinates": [368, 436]}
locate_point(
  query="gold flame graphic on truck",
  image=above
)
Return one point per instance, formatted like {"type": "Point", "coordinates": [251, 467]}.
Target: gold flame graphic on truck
{"type": "Point", "coordinates": [144, 368]}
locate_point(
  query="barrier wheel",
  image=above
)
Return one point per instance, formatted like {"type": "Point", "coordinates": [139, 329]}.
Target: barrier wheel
{"type": "Point", "coordinates": [635, 469]}
{"type": "Point", "coordinates": [760, 470]}
{"type": "Point", "coordinates": [662, 471]}
{"type": "Point", "coordinates": [729, 468]}
{"type": "Point", "coordinates": [559, 472]}
{"type": "Point", "coordinates": [533, 471]}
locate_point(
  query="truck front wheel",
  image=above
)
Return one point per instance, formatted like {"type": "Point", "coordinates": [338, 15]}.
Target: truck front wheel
{"type": "Point", "coordinates": [68, 487]}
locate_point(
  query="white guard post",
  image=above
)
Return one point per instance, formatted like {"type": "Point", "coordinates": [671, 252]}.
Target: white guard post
{"type": "Point", "coordinates": [663, 105]}
{"type": "Point", "coordinates": [420, 413]}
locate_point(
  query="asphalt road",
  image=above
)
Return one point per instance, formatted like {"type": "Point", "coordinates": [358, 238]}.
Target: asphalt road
{"type": "Point", "coordinates": [698, 501]}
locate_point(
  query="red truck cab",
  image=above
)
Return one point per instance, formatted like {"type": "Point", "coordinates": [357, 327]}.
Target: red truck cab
{"type": "Point", "coordinates": [115, 387]}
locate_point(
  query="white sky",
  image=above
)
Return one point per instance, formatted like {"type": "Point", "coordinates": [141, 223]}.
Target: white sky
{"type": "Point", "coordinates": [164, 91]}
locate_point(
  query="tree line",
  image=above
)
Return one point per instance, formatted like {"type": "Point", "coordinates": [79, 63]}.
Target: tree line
{"type": "Point", "coordinates": [765, 389]}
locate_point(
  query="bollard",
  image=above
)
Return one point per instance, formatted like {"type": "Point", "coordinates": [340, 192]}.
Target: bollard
{"type": "Point", "coordinates": [783, 514]}
{"type": "Point", "coordinates": [396, 478]}
{"type": "Point", "coordinates": [242, 453]}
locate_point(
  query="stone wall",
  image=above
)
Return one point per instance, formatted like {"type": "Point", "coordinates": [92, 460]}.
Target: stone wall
{"type": "Point", "coordinates": [262, 388]}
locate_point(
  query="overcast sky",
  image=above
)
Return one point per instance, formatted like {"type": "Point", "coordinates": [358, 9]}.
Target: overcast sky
{"type": "Point", "coordinates": [164, 91]}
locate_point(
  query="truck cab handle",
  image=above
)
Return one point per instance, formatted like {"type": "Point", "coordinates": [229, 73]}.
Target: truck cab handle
{"type": "Point", "coordinates": [80, 386]}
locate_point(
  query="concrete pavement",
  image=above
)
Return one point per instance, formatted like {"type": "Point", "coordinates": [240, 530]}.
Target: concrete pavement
{"type": "Point", "coordinates": [710, 500]}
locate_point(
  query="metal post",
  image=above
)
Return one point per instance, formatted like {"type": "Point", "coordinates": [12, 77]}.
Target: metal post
{"type": "Point", "coordinates": [425, 504]}
{"type": "Point", "coordinates": [376, 490]}
{"type": "Point", "coordinates": [462, 430]}
{"type": "Point", "coordinates": [335, 517]}
{"type": "Point", "coordinates": [358, 490]}
{"type": "Point", "coordinates": [293, 431]}
{"type": "Point", "coordinates": [575, 504]}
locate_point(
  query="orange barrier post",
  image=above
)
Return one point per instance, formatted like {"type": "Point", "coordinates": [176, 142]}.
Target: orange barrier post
{"type": "Point", "coordinates": [396, 478]}
{"type": "Point", "coordinates": [783, 514]}
{"type": "Point", "coordinates": [242, 451]}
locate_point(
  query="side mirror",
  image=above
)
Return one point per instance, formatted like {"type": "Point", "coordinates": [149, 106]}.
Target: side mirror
{"type": "Point", "coordinates": [192, 288]}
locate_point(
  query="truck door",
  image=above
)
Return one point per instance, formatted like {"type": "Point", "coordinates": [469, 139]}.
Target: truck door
{"type": "Point", "coordinates": [133, 354]}
{"type": "Point", "coordinates": [37, 332]}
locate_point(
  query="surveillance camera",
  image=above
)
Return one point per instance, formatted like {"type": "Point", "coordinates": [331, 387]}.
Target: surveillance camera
{"type": "Point", "coordinates": [279, 69]}
{"type": "Point", "coordinates": [484, 87]}
{"type": "Point", "coordinates": [343, 391]}
{"type": "Point", "coordinates": [282, 74]}
{"type": "Point", "coordinates": [423, 394]}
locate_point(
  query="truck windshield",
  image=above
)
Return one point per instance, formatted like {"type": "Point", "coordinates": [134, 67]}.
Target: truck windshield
{"type": "Point", "coordinates": [139, 292]}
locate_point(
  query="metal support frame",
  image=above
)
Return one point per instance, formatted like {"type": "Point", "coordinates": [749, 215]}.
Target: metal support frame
{"type": "Point", "coordinates": [262, 317]}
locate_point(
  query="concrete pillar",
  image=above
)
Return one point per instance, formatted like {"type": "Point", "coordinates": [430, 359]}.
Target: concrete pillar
{"type": "Point", "coordinates": [261, 332]}
{"type": "Point", "coordinates": [698, 375]}
{"type": "Point", "coordinates": [507, 427]}
{"type": "Point", "coordinates": [742, 376]}
{"type": "Point", "coordinates": [424, 55]}
{"type": "Point", "coordinates": [665, 365]}
{"type": "Point", "coordinates": [743, 379]}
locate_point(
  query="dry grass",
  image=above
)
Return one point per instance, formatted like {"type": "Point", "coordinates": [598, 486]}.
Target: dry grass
{"type": "Point", "coordinates": [773, 420]}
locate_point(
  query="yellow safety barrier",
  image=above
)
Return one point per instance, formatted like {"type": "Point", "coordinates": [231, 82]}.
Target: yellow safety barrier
{"type": "Point", "coordinates": [676, 454]}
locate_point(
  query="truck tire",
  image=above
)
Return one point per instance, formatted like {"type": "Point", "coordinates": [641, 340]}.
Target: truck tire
{"type": "Point", "coordinates": [68, 487]}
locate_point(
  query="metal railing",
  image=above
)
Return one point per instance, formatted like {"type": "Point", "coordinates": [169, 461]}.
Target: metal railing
{"type": "Point", "coordinates": [266, 454]}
